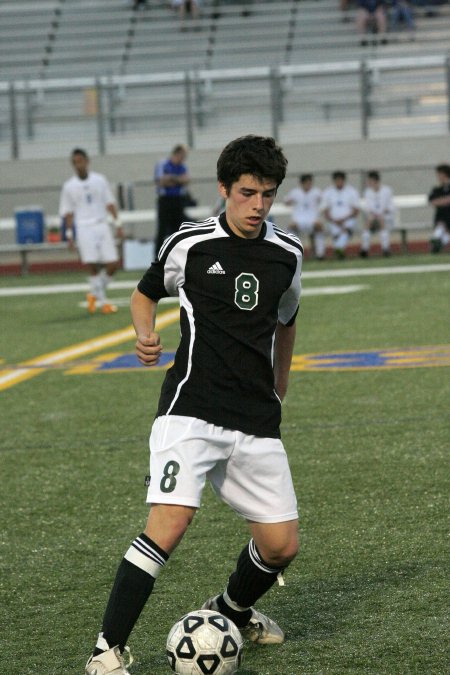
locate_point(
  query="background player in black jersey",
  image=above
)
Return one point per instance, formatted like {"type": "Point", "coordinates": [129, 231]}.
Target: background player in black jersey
{"type": "Point", "coordinates": [238, 280]}
{"type": "Point", "coordinates": [439, 197]}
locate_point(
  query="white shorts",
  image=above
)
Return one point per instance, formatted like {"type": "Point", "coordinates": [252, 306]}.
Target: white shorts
{"type": "Point", "coordinates": [305, 226]}
{"type": "Point", "coordinates": [389, 221]}
{"type": "Point", "coordinates": [96, 244]}
{"type": "Point", "coordinates": [248, 473]}
{"type": "Point", "coordinates": [336, 230]}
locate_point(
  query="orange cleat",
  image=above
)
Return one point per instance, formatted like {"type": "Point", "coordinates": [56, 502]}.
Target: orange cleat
{"type": "Point", "coordinates": [109, 309]}
{"type": "Point", "coordinates": [91, 303]}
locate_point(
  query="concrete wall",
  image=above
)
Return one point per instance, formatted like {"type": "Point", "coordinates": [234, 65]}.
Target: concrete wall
{"type": "Point", "coordinates": [406, 164]}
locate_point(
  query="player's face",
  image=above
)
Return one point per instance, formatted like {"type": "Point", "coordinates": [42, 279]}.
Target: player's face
{"type": "Point", "coordinates": [248, 204]}
{"type": "Point", "coordinates": [80, 164]}
{"type": "Point", "coordinates": [307, 185]}
{"type": "Point", "coordinates": [442, 177]}
{"type": "Point", "coordinates": [373, 183]}
{"type": "Point", "coordinates": [339, 182]}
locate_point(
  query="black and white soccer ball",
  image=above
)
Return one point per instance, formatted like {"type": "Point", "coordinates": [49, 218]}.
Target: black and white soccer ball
{"type": "Point", "coordinates": [204, 643]}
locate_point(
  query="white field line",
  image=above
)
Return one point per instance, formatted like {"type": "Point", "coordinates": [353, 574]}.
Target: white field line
{"type": "Point", "coordinates": [376, 271]}
{"type": "Point", "coordinates": [319, 274]}
{"type": "Point", "coordinates": [333, 290]}
{"type": "Point", "coordinates": [320, 290]}
{"type": "Point", "coordinates": [33, 367]}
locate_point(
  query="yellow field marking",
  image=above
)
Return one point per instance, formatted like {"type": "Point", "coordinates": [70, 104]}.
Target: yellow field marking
{"type": "Point", "coordinates": [33, 367]}
{"type": "Point", "coordinates": [93, 365]}
{"type": "Point", "coordinates": [390, 359]}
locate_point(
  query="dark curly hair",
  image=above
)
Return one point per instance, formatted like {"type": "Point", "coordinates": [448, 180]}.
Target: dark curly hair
{"type": "Point", "coordinates": [443, 168]}
{"type": "Point", "coordinates": [259, 156]}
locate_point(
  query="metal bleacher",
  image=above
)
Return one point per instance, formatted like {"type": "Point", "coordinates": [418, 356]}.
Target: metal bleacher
{"type": "Point", "coordinates": [23, 35]}
{"type": "Point", "coordinates": [59, 40]}
{"type": "Point", "coordinates": [74, 38]}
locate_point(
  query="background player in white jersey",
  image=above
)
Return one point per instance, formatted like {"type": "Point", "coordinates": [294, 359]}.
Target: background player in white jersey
{"type": "Point", "coordinates": [86, 199]}
{"type": "Point", "coordinates": [305, 200]}
{"type": "Point", "coordinates": [340, 206]}
{"type": "Point", "coordinates": [379, 214]}
{"type": "Point", "coordinates": [238, 280]}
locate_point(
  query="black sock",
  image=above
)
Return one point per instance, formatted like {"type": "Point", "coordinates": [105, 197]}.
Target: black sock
{"type": "Point", "coordinates": [251, 579]}
{"type": "Point", "coordinates": [132, 587]}
{"type": "Point", "coordinates": [241, 619]}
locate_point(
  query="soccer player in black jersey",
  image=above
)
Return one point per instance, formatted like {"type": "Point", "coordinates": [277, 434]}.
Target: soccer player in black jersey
{"type": "Point", "coordinates": [238, 279]}
{"type": "Point", "coordinates": [439, 197]}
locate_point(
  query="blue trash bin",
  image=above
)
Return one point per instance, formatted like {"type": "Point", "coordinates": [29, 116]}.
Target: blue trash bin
{"type": "Point", "coordinates": [29, 225]}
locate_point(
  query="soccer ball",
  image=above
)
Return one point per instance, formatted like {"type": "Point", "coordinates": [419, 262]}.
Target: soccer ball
{"type": "Point", "coordinates": [204, 643]}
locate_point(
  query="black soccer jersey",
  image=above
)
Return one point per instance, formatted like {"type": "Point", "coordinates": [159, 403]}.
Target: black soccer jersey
{"type": "Point", "coordinates": [232, 291]}
{"type": "Point", "coordinates": [442, 213]}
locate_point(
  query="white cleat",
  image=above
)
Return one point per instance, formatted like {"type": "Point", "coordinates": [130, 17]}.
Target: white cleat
{"type": "Point", "coordinates": [260, 628]}
{"type": "Point", "coordinates": [110, 662]}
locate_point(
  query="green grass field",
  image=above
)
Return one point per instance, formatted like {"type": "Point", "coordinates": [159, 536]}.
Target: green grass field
{"type": "Point", "coordinates": [368, 450]}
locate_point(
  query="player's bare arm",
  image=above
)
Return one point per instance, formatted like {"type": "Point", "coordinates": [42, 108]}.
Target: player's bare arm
{"type": "Point", "coordinates": [440, 201]}
{"type": "Point", "coordinates": [143, 312]}
{"type": "Point", "coordinates": [284, 348]}
{"type": "Point", "coordinates": [184, 179]}
{"type": "Point", "coordinates": [172, 179]}
{"type": "Point", "coordinates": [68, 218]}
{"type": "Point", "coordinates": [112, 209]}
{"type": "Point", "coordinates": [336, 221]}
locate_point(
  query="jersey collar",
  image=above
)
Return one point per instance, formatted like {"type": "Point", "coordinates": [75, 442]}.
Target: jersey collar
{"type": "Point", "coordinates": [229, 231]}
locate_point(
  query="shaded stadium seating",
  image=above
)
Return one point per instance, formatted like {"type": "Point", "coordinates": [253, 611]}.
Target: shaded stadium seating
{"type": "Point", "coordinates": [70, 38]}
{"type": "Point", "coordinates": [66, 39]}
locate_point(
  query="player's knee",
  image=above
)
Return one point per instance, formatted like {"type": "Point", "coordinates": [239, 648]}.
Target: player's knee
{"type": "Point", "coordinates": [178, 520]}
{"type": "Point", "coordinates": [167, 524]}
{"type": "Point", "coordinates": [281, 555]}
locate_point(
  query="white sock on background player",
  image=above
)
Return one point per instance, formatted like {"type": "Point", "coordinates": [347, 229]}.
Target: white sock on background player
{"type": "Point", "coordinates": [319, 245]}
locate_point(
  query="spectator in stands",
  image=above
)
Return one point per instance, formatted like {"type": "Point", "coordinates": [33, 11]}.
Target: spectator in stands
{"type": "Point", "coordinates": [340, 206]}
{"type": "Point", "coordinates": [401, 12]}
{"type": "Point", "coordinates": [379, 214]}
{"type": "Point", "coordinates": [429, 7]}
{"type": "Point", "coordinates": [86, 200]}
{"type": "Point", "coordinates": [171, 179]}
{"type": "Point", "coordinates": [344, 6]}
{"type": "Point", "coordinates": [185, 8]}
{"type": "Point", "coordinates": [305, 201]}
{"type": "Point", "coordinates": [371, 14]}
{"type": "Point", "coordinates": [439, 197]}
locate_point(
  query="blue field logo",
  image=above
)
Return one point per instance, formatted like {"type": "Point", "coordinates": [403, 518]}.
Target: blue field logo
{"type": "Point", "coordinates": [375, 359]}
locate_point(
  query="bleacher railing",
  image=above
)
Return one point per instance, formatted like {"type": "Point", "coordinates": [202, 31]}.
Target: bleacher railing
{"type": "Point", "coordinates": [366, 99]}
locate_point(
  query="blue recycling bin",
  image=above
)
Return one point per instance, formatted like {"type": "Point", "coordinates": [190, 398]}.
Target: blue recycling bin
{"type": "Point", "coordinates": [29, 225]}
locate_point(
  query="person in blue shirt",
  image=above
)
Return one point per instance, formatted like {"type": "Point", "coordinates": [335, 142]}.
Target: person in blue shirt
{"type": "Point", "coordinates": [171, 179]}
{"type": "Point", "coordinates": [402, 12]}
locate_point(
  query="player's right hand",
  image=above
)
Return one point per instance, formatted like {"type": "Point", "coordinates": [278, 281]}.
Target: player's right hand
{"type": "Point", "coordinates": [148, 349]}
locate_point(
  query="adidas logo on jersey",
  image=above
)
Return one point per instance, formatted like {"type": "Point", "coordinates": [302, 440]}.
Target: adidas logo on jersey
{"type": "Point", "coordinates": [216, 269]}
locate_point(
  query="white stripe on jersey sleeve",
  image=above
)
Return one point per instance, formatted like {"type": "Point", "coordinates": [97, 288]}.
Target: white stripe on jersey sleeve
{"type": "Point", "coordinates": [188, 224]}
{"type": "Point", "coordinates": [291, 297]}
{"type": "Point", "coordinates": [175, 263]}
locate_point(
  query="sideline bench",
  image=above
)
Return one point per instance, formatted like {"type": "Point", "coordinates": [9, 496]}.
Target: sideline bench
{"type": "Point", "coordinates": [198, 213]}
{"type": "Point", "coordinates": [25, 249]}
